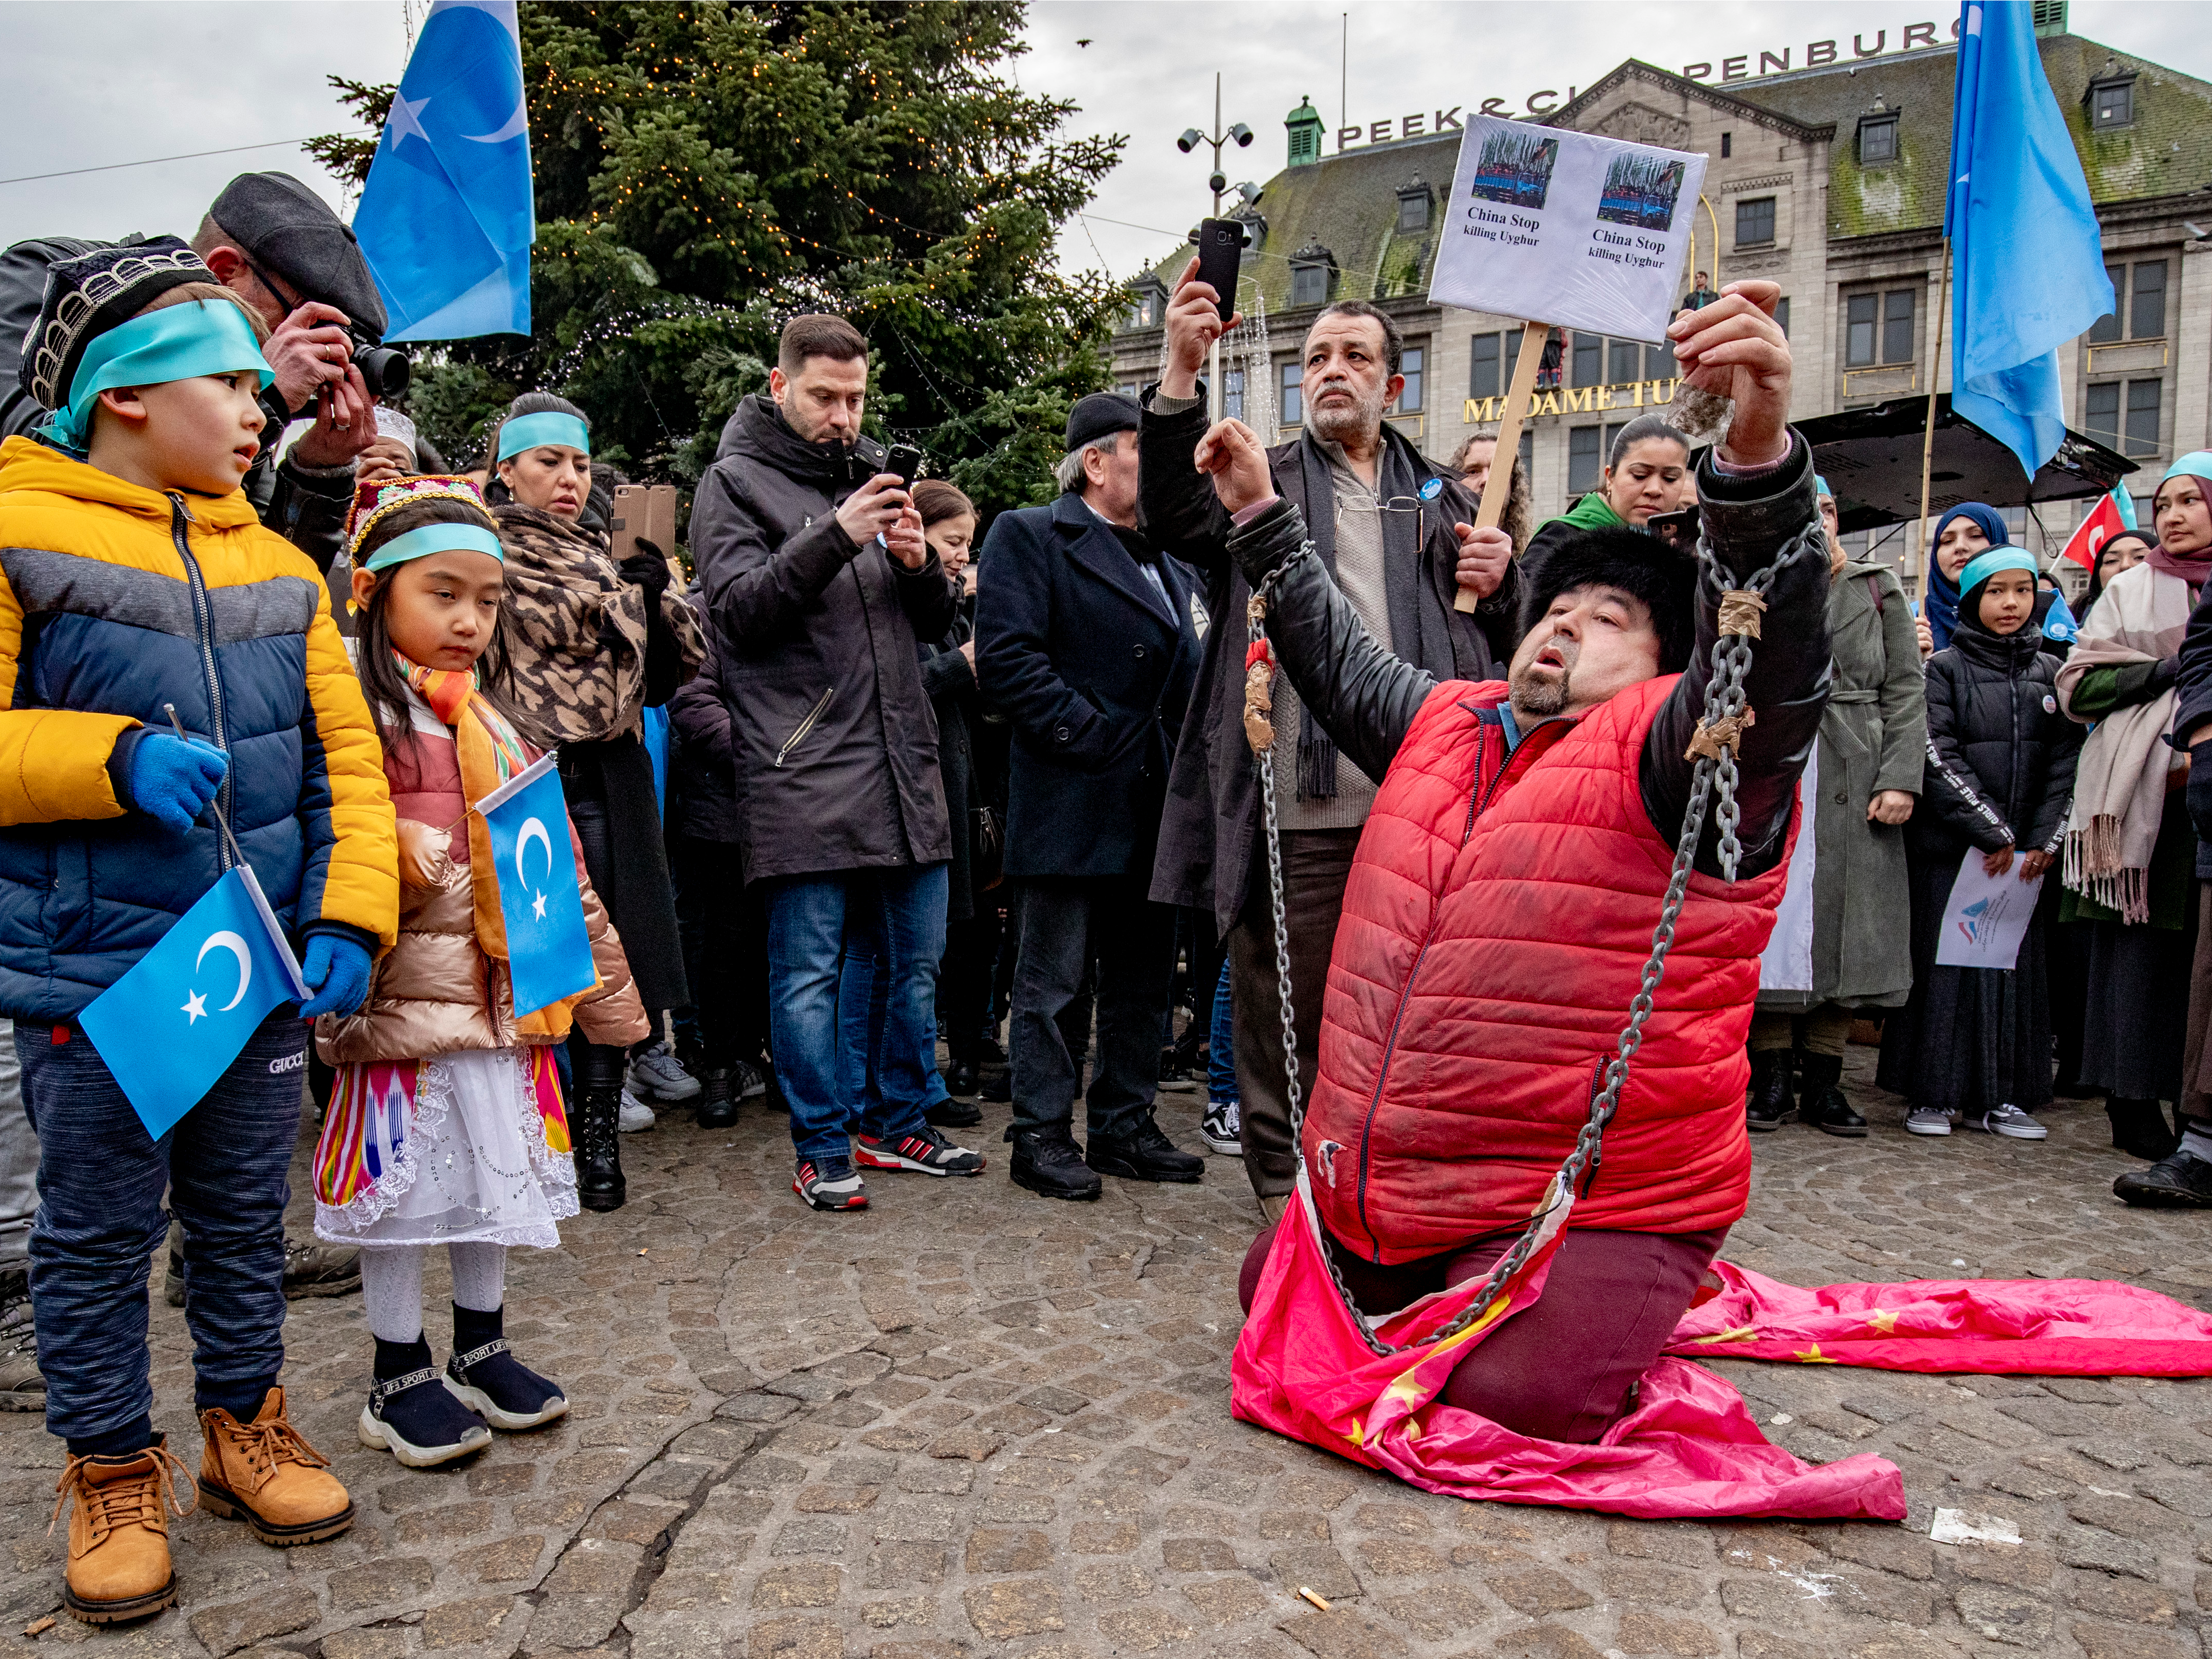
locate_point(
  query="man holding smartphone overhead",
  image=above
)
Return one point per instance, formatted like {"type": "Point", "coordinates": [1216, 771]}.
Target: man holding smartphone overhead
{"type": "Point", "coordinates": [817, 582]}
{"type": "Point", "coordinates": [1396, 537]}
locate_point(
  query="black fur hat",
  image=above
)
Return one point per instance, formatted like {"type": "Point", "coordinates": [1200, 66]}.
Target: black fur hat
{"type": "Point", "coordinates": [1638, 564]}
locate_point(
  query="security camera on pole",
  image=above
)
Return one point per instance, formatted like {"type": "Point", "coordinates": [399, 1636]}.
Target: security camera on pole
{"type": "Point", "coordinates": [1218, 182]}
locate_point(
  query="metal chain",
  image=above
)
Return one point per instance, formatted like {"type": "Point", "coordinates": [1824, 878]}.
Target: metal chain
{"type": "Point", "coordinates": [1725, 701]}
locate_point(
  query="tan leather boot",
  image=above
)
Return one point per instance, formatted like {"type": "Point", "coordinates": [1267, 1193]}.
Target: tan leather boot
{"type": "Point", "coordinates": [266, 1474]}
{"type": "Point", "coordinates": [119, 1536]}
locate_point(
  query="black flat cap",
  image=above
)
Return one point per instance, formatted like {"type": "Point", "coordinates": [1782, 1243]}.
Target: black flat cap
{"type": "Point", "coordinates": [292, 233]}
{"type": "Point", "coordinates": [1100, 416]}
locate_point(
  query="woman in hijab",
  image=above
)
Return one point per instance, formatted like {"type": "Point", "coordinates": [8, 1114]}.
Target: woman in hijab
{"type": "Point", "coordinates": [2130, 854]}
{"type": "Point", "coordinates": [2182, 508]}
{"type": "Point", "coordinates": [1966, 530]}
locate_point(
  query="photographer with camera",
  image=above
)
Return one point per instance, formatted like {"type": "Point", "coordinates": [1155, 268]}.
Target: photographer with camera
{"type": "Point", "coordinates": [280, 248]}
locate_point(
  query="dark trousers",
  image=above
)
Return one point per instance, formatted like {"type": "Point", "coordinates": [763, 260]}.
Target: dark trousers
{"type": "Point", "coordinates": [725, 931]}
{"type": "Point", "coordinates": [1562, 1369]}
{"type": "Point", "coordinates": [1316, 863]}
{"type": "Point", "coordinates": [100, 1216]}
{"type": "Point", "coordinates": [1066, 926]}
{"type": "Point", "coordinates": [964, 995]}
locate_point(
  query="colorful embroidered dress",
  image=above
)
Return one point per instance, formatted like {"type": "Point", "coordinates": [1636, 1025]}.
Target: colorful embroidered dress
{"type": "Point", "coordinates": [469, 1145]}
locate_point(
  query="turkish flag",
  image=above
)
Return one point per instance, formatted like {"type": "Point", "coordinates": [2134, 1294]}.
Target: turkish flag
{"type": "Point", "coordinates": [2100, 528]}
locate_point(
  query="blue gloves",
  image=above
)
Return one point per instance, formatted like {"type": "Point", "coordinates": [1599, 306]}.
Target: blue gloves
{"type": "Point", "coordinates": [172, 781]}
{"type": "Point", "coordinates": [336, 970]}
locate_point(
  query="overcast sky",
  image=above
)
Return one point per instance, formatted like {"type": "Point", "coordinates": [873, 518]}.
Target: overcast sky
{"type": "Point", "coordinates": [92, 82]}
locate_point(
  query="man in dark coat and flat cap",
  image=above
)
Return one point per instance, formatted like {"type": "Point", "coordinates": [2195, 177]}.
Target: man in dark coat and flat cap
{"type": "Point", "coordinates": [1085, 641]}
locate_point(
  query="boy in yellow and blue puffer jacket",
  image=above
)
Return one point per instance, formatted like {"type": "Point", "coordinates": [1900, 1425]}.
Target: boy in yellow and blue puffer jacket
{"type": "Point", "coordinates": [134, 578]}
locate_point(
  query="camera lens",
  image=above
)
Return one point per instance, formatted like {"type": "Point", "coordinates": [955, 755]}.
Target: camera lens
{"type": "Point", "coordinates": [383, 370]}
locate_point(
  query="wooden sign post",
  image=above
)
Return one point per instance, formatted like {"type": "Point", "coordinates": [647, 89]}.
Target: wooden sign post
{"type": "Point", "coordinates": [1507, 455]}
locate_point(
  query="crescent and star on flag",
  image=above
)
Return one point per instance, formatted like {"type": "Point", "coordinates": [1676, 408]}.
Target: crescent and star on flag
{"type": "Point", "coordinates": [195, 1006]}
{"type": "Point", "coordinates": [534, 829]}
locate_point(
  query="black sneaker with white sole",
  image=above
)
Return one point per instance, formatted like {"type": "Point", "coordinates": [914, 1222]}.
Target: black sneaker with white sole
{"type": "Point", "coordinates": [1222, 1128]}
{"type": "Point", "coordinates": [503, 1391]}
{"type": "Point", "coordinates": [419, 1421]}
{"type": "Point", "coordinates": [925, 1152]}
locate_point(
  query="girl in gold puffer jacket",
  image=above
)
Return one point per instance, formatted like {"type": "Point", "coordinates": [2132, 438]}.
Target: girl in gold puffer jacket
{"type": "Point", "coordinates": [446, 1123]}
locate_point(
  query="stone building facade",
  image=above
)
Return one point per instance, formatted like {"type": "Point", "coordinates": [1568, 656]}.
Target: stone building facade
{"type": "Point", "coordinates": [1828, 180]}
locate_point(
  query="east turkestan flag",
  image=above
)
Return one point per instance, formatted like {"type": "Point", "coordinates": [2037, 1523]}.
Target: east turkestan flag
{"type": "Point", "coordinates": [170, 1027]}
{"type": "Point", "coordinates": [549, 950]}
{"type": "Point", "coordinates": [446, 220]}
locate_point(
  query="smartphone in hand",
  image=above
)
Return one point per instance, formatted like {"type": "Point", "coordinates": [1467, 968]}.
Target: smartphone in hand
{"type": "Point", "coordinates": [905, 460]}
{"type": "Point", "coordinates": [1220, 252]}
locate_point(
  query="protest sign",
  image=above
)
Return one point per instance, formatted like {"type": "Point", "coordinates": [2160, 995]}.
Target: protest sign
{"type": "Point", "coordinates": [1563, 229]}
{"type": "Point", "coordinates": [1986, 916]}
{"type": "Point", "coordinates": [1568, 228]}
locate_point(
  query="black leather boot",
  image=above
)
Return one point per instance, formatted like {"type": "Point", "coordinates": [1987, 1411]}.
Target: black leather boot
{"type": "Point", "coordinates": [592, 1125]}
{"type": "Point", "coordinates": [1049, 1162]}
{"type": "Point", "coordinates": [2139, 1128]}
{"type": "Point", "coordinates": [1820, 1100]}
{"type": "Point", "coordinates": [1769, 1106]}
{"type": "Point", "coordinates": [717, 1106]}
{"type": "Point", "coordinates": [1142, 1152]}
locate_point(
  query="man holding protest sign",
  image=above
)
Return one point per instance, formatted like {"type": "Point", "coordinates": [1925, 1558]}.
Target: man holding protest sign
{"type": "Point", "coordinates": [1395, 536]}
{"type": "Point", "coordinates": [1505, 895]}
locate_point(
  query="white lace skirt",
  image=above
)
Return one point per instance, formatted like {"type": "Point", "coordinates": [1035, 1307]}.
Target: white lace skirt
{"type": "Point", "coordinates": [449, 1151]}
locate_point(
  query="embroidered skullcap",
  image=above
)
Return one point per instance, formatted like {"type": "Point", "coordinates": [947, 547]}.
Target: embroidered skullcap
{"type": "Point", "coordinates": [91, 294]}
{"type": "Point", "coordinates": [374, 502]}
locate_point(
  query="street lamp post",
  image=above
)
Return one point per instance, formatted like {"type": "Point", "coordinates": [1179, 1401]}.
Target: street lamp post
{"type": "Point", "coordinates": [1217, 182]}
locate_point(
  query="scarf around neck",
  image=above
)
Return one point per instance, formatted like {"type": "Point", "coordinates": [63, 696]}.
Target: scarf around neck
{"type": "Point", "coordinates": [489, 751]}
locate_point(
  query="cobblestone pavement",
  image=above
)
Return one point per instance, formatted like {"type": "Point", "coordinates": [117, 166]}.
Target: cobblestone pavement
{"type": "Point", "coordinates": [970, 1421]}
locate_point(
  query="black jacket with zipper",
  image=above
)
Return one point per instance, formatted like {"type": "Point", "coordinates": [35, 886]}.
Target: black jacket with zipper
{"type": "Point", "coordinates": [2000, 754]}
{"type": "Point", "coordinates": [834, 742]}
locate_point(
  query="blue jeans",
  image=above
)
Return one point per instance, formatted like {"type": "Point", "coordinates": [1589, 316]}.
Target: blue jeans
{"type": "Point", "coordinates": [852, 963]}
{"type": "Point", "coordinates": [1220, 1042]}
{"type": "Point", "coordinates": [99, 1218]}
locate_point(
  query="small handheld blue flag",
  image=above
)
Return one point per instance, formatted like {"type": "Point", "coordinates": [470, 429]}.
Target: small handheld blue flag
{"type": "Point", "coordinates": [2058, 622]}
{"type": "Point", "coordinates": [447, 219]}
{"type": "Point", "coordinates": [171, 1027]}
{"type": "Point", "coordinates": [549, 951]}
{"type": "Point", "coordinates": [2030, 255]}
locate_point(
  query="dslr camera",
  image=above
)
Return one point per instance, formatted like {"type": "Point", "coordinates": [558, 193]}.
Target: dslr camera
{"type": "Point", "coordinates": [384, 370]}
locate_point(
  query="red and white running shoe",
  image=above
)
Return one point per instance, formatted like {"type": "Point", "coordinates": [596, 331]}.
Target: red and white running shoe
{"type": "Point", "coordinates": [925, 1152]}
{"type": "Point", "coordinates": [831, 1183]}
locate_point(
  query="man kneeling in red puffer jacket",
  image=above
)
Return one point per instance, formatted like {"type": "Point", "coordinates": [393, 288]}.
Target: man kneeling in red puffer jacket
{"type": "Point", "coordinates": [1501, 907]}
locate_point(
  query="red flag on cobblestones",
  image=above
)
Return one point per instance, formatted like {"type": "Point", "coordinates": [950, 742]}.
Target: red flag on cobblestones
{"type": "Point", "coordinates": [1690, 1449]}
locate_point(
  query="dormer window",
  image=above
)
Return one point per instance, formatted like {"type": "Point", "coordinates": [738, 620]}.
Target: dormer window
{"type": "Point", "coordinates": [1150, 306]}
{"type": "Point", "coordinates": [1414, 199]}
{"type": "Point", "coordinates": [2111, 102]}
{"type": "Point", "coordinates": [1256, 226]}
{"type": "Point", "coordinates": [1877, 138]}
{"type": "Point", "coordinates": [1313, 272]}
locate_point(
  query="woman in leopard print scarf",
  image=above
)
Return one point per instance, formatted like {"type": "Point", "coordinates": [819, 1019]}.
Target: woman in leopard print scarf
{"type": "Point", "coordinates": [595, 643]}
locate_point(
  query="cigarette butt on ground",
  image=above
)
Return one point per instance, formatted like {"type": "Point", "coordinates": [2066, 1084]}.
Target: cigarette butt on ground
{"type": "Point", "coordinates": [1305, 1595]}
{"type": "Point", "coordinates": [39, 1626]}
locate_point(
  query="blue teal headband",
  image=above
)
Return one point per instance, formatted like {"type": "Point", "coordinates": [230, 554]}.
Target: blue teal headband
{"type": "Point", "coordinates": [1820, 487]}
{"type": "Point", "coordinates": [2197, 464]}
{"type": "Point", "coordinates": [1982, 566]}
{"type": "Point", "coordinates": [177, 343]}
{"type": "Point", "coordinates": [534, 431]}
{"type": "Point", "coordinates": [426, 539]}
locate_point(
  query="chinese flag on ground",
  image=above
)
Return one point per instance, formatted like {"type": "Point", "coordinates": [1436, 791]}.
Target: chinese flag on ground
{"type": "Point", "coordinates": [2113, 515]}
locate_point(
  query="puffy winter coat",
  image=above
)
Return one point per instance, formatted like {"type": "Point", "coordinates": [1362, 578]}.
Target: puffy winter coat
{"type": "Point", "coordinates": [115, 601]}
{"type": "Point", "coordinates": [2001, 754]}
{"type": "Point", "coordinates": [1500, 911]}
{"type": "Point", "coordinates": [435, 991]}
{"type": "Point", "coordinates": [836, 744]}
